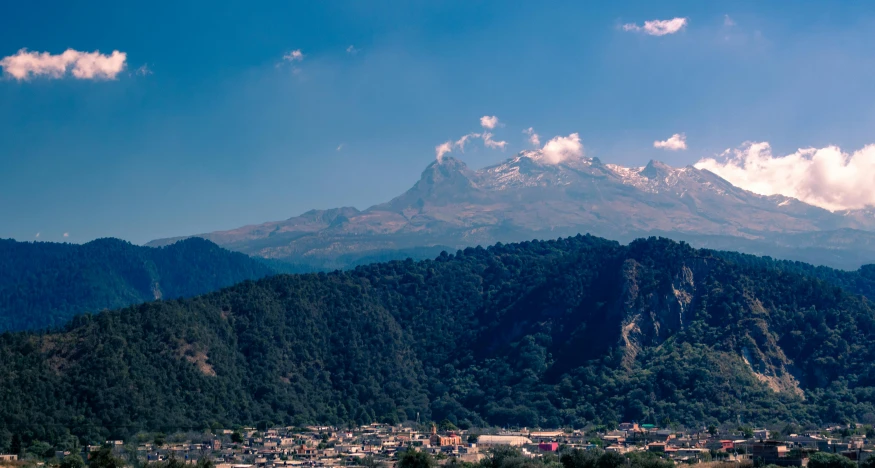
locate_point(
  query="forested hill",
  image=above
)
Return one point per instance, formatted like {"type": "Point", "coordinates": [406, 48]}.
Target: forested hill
{"type": "Point", "coordinates": [560, 333]}
{"type": "Point", "coordinates": [860, 281]}
{"type": "Point", "coordinates": [44, 284]}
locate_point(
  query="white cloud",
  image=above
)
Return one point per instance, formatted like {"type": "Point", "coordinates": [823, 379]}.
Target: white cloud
{"type": "Point", "coordinates": [340, 147]}
{"type": "Point", "coordinates": [534, 139]}
{"type": "Point", "coordinates": [824, 177]}
{"type": "Point", "coordinates": [351, 50]}
{"type": "Point", "coordinates": [676, 142]}
{"type": "Point", "coordinates": [294, 56]}
{"type": "Point", "coordinates": [658, 27]}
{"type": "Point", "coordinates": [143, 71]}
{"type": "Point", "coordinates": [489, 122]}
{"type": "Point", "coordinates": [561, 148]}
{"type": "Point", "coordinates": [36, 236]}
{"type": "Point", "coordinates": [66, 234]}
{"type": "Point", "coordinates": [727, 21]}
{"type": "Point", "coordinates": [82, 65]}
{"type": "Point", "coordinates": [442, 149]}
{"type": "Point", "coordinates": [490, 143]}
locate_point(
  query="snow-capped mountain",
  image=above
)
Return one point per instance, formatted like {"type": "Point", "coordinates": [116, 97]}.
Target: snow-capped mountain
{"type": "Point", "coordinates": [525, 197]}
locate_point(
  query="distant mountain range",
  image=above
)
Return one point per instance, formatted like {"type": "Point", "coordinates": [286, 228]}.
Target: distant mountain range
{"type": "Point", "coordinates": [527, 197]}
{"type": "Point", "coordinates": [564, 333]}
{"type": "Point", "coordinates": [45, 284]}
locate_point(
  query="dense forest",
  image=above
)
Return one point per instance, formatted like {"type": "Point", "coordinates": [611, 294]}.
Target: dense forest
{"type": "Point", "coordinates": [569, 332]}
{"type": "Point", "coordinates": [860, 281]}
{"type": "Point", "coordinates": [44, 284]}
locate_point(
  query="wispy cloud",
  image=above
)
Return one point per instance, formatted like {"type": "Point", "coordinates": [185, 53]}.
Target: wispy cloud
{"type": "Point", "coordinates": [487, 122]}
{"type": "Point", "coordinates": [294, 56]}
{"type": "Point", "coordinates": [37, 235]}
{"type": "Point", "coordinates": [824, 177]}
{"type": "Point", "coordinates": [25, 65]}
{"type": "Point", "coordinates": [676, 142]}
{"type": "Point", "coordinates": [728, 21]}
{"type": "Point", "coordinates": [460, 143]}
{"type": "Point", "coordinates": [351, 50]}
{"type": "Point", "coordinates": [534, 139]}
{"type": "Point", "coordinates": [490, 143]}
{"type": "Point", "coordinates": [658, 27]}
{"type": "Point", "coordinates": [143, 71]}
{"type": "Point", "coordinates": [340, 147]}
{"type": "Point", "coordinates": [66, 234]}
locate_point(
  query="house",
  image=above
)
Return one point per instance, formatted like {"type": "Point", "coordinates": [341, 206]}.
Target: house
{"type": "Point", "coordinates": [6, 457]}
{"type": "Point", "coordinates": [691, 454]}
{"type": "Point", "coordinates": [548, 446]}
{"type": "Point", "coordinates": [656, 447]}
{"type": "Point", "coordinates": [769, 450]}
{"type": "Point", "coordinates": [815, 442]}
{"type": "Point", "coordinates": [614, 439]}
{"type": "Point", "coordinates": [468, 449]}
{"type": "Point", "coordinates": [773, 452]}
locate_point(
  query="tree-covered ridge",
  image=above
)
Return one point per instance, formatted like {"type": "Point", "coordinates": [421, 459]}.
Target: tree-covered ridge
{"type": "Point", "coordinates": [569, 332]}
{"type": "Point", "coordinates": [860, 281]}
{"type": "Point", "coordinates": [44, 284]}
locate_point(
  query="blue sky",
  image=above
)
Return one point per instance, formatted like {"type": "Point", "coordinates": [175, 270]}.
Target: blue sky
{"type": "Point", "coordinates": [221, 131]}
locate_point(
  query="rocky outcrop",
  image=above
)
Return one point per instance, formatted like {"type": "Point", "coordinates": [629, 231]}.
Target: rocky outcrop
{"type": "Point", "coordinates": [652, 316]}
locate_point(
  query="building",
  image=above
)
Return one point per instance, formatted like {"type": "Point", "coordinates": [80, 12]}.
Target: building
{"type": "Point", "coordinates": [690, 454]}
{"type": "Point", "coordinates": [449, 440]}
{"type": "Point", "coordinates": [509, 440]}
{"type": "Point", "coordinates": [814, 442]}
{"type": "Point", "coordinates": [773, 452]}
{"type": "Point", "coordinates": [548, 446]}
{"type": "Point", "coordinates": [656, 447]}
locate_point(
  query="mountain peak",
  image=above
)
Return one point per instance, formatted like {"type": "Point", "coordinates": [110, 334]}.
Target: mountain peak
{"type": "Point", "coordinates": [656, 169]}
{"type": "Point", "coordinates": [524, 197]}
{"type": "Point", "coordinates": [444, 181]}
{"type": "Point", "coordinates": [444, 169]}
{"type": "Point", "coordinates": [448, 161]}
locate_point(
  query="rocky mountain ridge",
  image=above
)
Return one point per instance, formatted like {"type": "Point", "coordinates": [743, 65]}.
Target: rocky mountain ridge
{"type": "Point", "coordinates": [525, 197]}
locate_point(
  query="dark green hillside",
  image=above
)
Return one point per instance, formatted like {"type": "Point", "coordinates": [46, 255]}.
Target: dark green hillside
{"type": "Point", "coordinates": [44, 284]}
{"type": "Point", "coordinates": [860, 281]}
{"type": "Point", "coordinates": [561, 333]}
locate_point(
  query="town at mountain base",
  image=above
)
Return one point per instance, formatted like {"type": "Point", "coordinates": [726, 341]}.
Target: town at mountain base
{"type": "Point", "coordinates": [529, 197]}
{"type": "Point", "coordinates": [571, 332]}
{"type": "Point", "coordinates": [429, 445]}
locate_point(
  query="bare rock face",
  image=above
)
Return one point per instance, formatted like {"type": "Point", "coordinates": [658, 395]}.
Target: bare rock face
{"type": "Point", "coordinates": [654, 310]}
{"type": "Point", "coordinates": [651, 317]}
{"type": "Point", "coordinates": [526, 197]}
